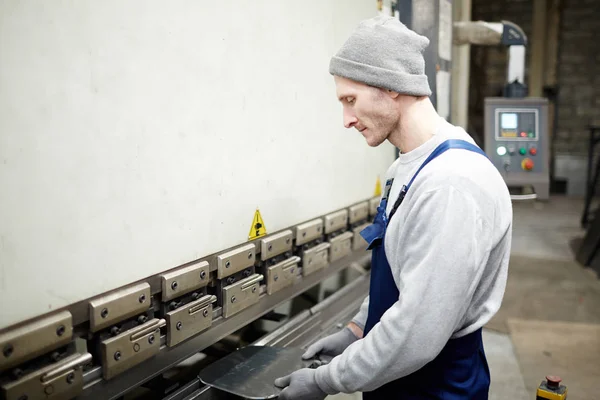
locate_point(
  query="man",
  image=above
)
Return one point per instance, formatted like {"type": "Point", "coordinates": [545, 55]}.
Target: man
{"type": "Point", "coordinates": [440, 241]}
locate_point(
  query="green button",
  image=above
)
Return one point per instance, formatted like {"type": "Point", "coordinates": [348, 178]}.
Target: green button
{"type": "Point", "coordinates": [523, 151]}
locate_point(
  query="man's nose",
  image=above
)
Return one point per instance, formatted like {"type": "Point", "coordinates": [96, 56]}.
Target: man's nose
{"type": "Point", "coordinates": [349, 119]}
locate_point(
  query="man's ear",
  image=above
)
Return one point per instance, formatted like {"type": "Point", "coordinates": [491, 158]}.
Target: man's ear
{"type": "Point", "coordinates": [392, 94]}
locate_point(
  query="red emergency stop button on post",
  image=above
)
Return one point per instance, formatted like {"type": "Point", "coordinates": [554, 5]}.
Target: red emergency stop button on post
{"type": "Point", "coordinates": [527, 164]}
{"type": "Point", "coordinates": [533, 151]}
{"type": "Point", "coordinates": [553, 382]}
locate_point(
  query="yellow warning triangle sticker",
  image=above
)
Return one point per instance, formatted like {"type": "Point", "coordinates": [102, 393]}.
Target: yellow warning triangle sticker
{"type": "Point", "coordinates": [258, 228]}
{"type": "Point", "coordinates": [377, 188]}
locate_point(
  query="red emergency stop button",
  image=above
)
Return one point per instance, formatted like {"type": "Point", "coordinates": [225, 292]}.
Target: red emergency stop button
{"type": "Point", "coordinates": [527, 164]}
{"type": "Point", "coordinates": [533, 151]}
{"type": "Point", "coordinates": [553, 381]}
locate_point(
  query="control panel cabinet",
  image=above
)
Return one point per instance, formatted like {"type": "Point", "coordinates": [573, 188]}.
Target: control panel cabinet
{"type": "Point", "coordinates": [516, 140]}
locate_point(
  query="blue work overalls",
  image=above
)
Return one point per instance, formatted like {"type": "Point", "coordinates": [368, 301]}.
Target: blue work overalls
{"type": "Point", "coordinates": [460, 371]}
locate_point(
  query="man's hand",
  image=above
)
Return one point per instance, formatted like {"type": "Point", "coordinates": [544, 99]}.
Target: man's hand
{"type": "Point", "coordinates": [332, 345]}
{"type": "Point", "coordinates": [300, 385]}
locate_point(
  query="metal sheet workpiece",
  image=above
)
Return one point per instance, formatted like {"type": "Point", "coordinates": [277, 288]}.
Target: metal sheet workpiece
{"type": "Point", "coordinates": [250, 372]}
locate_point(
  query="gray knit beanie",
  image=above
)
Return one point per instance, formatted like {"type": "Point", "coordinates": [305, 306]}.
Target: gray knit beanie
{"type": "Point", "coordinates": [384, 53]}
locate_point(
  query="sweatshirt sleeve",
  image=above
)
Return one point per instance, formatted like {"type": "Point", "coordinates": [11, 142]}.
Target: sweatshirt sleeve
{"type": "Point", "coordinates": [441, 247]}
{"type": "Point", "coordinates": [360, 318]}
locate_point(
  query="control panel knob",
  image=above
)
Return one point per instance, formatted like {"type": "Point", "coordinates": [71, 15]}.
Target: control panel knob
{"type": "Point", "coordinates": [527, 164]}
{"type": "Point", "coordinates": [522, 151]}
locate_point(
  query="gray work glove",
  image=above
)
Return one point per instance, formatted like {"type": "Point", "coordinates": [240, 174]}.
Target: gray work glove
{"type": "Point", "coordinates": [300, 385]}
{"type": "Point", "coordinates": [332, 345]}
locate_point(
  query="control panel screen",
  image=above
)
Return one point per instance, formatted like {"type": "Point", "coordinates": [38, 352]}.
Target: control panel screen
{"type": "Point", "coordinates": [517, 125]}
{"type": "Point", "coordinates": [508, 121]}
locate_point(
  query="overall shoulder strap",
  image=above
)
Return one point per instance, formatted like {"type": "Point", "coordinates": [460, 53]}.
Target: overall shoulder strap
{"type": "Point", "coordinates": [440, 149]}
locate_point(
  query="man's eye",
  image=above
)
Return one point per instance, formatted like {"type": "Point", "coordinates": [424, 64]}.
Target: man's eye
{"type": "Point", "coordinates": [350, 100]}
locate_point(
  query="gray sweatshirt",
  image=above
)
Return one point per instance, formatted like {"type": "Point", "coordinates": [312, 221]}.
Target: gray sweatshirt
{"type": "Point", "coordinates": [448, 246]}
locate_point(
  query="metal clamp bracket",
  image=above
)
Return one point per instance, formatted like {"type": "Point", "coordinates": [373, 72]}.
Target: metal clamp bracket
{"type": "Point", "coordinates": [315, 258]}
{"type": "Point", "coordinates": [235, 260]}
{"type": "Point", "coordinates": [341, 246]}
{"type": "Point", "coordinates": [117, 306]}
{"type": "Point", "coordinates": [189, 320]}
{"type": "Point", "coordinates": [309, 231]}
{"type": "Point", "coordinates": [62, 380]}
{"type": "Point", "coordinates": [282, 275]}
{"type": "Point", "coordinates": [184, 280]}
{"type": "Point", "coordinates": [336, 221]}
{"type": "Point", "coordinates": [131, 347]}
{"type": "Point", "coordinates": [276, 244]}
{"type": "Point", "coordinates": [359, 243]}
{"type": "Point", "coordinates": [359, 212]}
{"type": "Point", "coordinates": [241, 295]}
{"type": "Point", "coordinates": [34, 339]}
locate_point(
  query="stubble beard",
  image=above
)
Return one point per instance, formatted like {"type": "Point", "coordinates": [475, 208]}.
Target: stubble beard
{"type": "Point", "coordinates": [388, 123]}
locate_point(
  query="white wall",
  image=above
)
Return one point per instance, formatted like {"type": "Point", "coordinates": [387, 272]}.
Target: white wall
{"type": "Point", "coordinates": [137, 136]}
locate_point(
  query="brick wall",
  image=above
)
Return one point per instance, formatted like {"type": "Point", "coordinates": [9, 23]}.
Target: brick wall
{"type": "Point", "coordinates": [578, 75]}
{"type": "Point", "coordinates": [578, 61]}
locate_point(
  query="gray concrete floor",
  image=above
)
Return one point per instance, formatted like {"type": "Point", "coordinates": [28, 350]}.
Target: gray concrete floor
{"type": "Point", "coordinates": [506, 377]}
{"type": "Point", "coordinates": [545, 229]}
{"type": "Point", "coordinates": [551, 308]}
{"type": "Point", "coordinates": [548, 294]}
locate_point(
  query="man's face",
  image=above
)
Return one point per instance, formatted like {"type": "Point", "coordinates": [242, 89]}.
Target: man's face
{"type": "Point", "coordinates": [372, 111]}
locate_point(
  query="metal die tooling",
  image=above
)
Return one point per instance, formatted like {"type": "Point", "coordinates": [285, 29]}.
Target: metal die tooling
{"type": "Point", "coordinates": [34, 339]}
{"type": "Point", "coordinates": [185, 280]}
{"type": "Point", "coordinates": [278, 264]}
{"type": "Point", "coordinates": [358, 219]}
{"type": "Point", "coordinates": [39, 360]}
{"type": "Point", "coordinates": [241, 295]}
{"type": "Point", "coordinates": [131, 347]}
{"type": "Point", "coordinates": [282, 274]}
{"type": "Point", "coordinates": [315, 258]}
{"type": "Point", "coordinates": [336, 222]}
{"type": "Point", "coordinates": [237, 283]}
{"type": "Point", "coordinates": [124, 331]}
{"type": "Point", "coordinates": [358, 213]}
{"type": "Point", "coordinates": [235, 260]}
{"type": "Point", "coordinates": [358, 243]}
{"type": "Point", "coordinates": [187, 308]}
{"type": "Point", "coordinates": [341, 246]}
{"type": "Point", "coordinates": [337, 234]}
{"type": "Point", "coordinates": [112, 308]}
{"type": "Point", "coordinates": [61, 380]}
{"type": "Point", "coordinates": [189, 319]}
{"type": "Point", "coordinates": [277, 244]}
{"type": "Point", "coordinates": [310, 246]}
{"type": "Point", "coordinates": [309, 232]}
